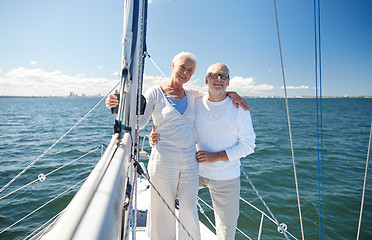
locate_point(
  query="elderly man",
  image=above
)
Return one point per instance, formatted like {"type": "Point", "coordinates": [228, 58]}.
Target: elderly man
{"type": "Point", "coordinates": [224, 135]}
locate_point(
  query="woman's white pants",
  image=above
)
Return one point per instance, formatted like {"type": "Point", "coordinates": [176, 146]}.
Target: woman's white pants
{"type": "Point", "coordinates": [174, 172]}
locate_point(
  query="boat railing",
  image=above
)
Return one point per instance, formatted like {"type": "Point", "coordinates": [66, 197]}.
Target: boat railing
{"type": "Point", "coordinates": [96, 212]}
{"type": "Point", "coordinates": [282, 227]}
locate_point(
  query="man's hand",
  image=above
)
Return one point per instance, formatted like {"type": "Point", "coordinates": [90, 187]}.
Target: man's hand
{"type": "Point", "coordinates": [112, 100]}
{"type": "Point", "coordinates": [153, 137]}
{"type": "Point", "coordinates": [210, 157]}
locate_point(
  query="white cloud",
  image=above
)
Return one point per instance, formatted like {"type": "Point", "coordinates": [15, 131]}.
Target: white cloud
{"type": "Point", "coordinates": [37, 82]}
{"type": "Point", "coordinates": [22, 81]}
{"type": "Point", "coordinates": [33, 62]}
{"type": "Point", "coordinates": [100, 66]}
{"type": "Point", "coordinates": [247, 86]}
{"type": "Point", "coordinates": [293, 87]}
{"type": "Point", "coordinates": [149, 81]}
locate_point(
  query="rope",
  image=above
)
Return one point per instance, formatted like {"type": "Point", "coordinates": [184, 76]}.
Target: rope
{"type": "Point", "coordinates": [289, 121]}
{"type": "Point", "coordinates": [37, 209]}
{"type": "Point", "coordinates": [319, 119]}
{"type": "Point", "coordinates": [86, 154]}
{"type": "Point", "coordinates": [264, 203]}
{"type": "Point", "coordinates": [135, 206]}
{"type": "Point", "coordinates": [364, 185]}
{"type": "Point", "coordinates": [55, 143]}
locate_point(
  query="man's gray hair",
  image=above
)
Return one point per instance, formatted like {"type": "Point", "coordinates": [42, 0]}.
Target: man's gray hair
{"type": "Point", "coordinates": [211, 66]}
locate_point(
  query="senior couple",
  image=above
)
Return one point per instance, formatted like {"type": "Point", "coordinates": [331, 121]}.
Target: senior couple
{"type": "Point", "coordinates": [203, 137]}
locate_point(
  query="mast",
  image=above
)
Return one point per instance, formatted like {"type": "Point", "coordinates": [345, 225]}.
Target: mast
{"type": "Point", "coordinates": [133, 41]}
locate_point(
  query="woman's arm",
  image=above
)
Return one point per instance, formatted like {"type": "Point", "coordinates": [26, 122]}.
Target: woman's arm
{"type": "Point", "coordinates": [235, 98]}
{"type": "Point", "coordinates": [112, 100]}
{"type": "Point", "coordinates": [238, 100]}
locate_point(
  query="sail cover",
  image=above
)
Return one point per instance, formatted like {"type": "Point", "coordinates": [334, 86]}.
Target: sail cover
{"type": "Point", "coordinates": [135, 21]}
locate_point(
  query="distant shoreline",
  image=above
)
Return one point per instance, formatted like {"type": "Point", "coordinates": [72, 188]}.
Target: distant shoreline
{"type": "Point", "coordinates": [50, 97]}
{"type": "Point", "coordinates": [310, 97]}
{"type": "Point", "coordinates": [242, 96]}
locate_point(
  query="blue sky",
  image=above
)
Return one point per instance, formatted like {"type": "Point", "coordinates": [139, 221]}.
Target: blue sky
{"type": "Point", "coordinates": [50, 47]}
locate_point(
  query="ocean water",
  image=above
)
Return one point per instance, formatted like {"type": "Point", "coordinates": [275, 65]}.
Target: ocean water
{"type": "Point", "coordinates": [29, 126]}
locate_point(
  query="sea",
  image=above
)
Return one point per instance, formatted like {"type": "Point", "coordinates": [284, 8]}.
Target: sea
{"type": "Point", "coordinates": [30, 126]}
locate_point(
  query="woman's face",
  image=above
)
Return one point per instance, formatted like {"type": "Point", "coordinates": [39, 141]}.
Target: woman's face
{"type": "Point", "coordinates": [183, 70]}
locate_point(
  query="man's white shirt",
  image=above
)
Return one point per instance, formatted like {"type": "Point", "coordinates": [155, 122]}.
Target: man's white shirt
{"type": "Point", "coordinates": [221, 126]}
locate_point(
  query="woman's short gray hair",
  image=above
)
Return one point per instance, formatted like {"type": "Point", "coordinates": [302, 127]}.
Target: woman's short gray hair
{"type": "Point", "coordinates": [183, 55]}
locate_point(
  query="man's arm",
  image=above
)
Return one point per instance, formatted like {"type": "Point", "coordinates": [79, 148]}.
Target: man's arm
{"type": "Point", "coordinates": [246, 138]}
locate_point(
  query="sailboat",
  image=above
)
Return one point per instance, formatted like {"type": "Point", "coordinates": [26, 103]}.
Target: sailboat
{"type": "Point", "coordinates": [112, 202]}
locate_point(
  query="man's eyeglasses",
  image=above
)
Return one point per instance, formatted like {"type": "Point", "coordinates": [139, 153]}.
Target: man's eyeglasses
{"type": "Point", "coordinates": [216, 75]}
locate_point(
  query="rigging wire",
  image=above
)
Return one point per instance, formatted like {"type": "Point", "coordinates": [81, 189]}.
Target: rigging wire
{"type": "Point", "coordinates": [365, 180]}
{"type": "Point", "coordinates": [37, 209]}
{"type": "Point", "coordinates": [210, 222]}
{"type": "Point", "coordinates": [55, 218]}
{"type": "Point", "coordinates": [130, 217]}
{"type": "Point", "coordinates": [148, 55]}
{"type": "Point", "coordinates": [262, 212]}
{"type": "Point", "coordinates": [201, 210]}
{"type": "Point", "coordinates": [319, 116]}
{"type": "Point", "coordinates": [251, 205]}
{"type": "Point", "coordinates": [55, 143]}
{"type": "Point", "coordinates": [165, 202]}
{"type": "Point", "coordinates": [264, 203]}
{"type": "Point", "coordinates": [55, 170]}
{"type": "Point", "coordinates": [289, 121]}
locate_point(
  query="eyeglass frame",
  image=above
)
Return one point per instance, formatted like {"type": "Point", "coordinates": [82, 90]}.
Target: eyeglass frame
{"type": "Point", "coordinates": [216, 75]}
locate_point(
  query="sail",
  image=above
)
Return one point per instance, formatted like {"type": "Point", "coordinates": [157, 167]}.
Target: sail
{"type": "Point", "coordinates": [96, 211]}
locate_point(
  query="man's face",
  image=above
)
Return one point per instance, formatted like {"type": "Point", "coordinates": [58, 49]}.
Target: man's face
{"type": "Point", "coordinates": [218, 79]}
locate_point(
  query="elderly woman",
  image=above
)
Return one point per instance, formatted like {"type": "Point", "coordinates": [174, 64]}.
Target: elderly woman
{"type": "Point", "coordinates": [172, 167]}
